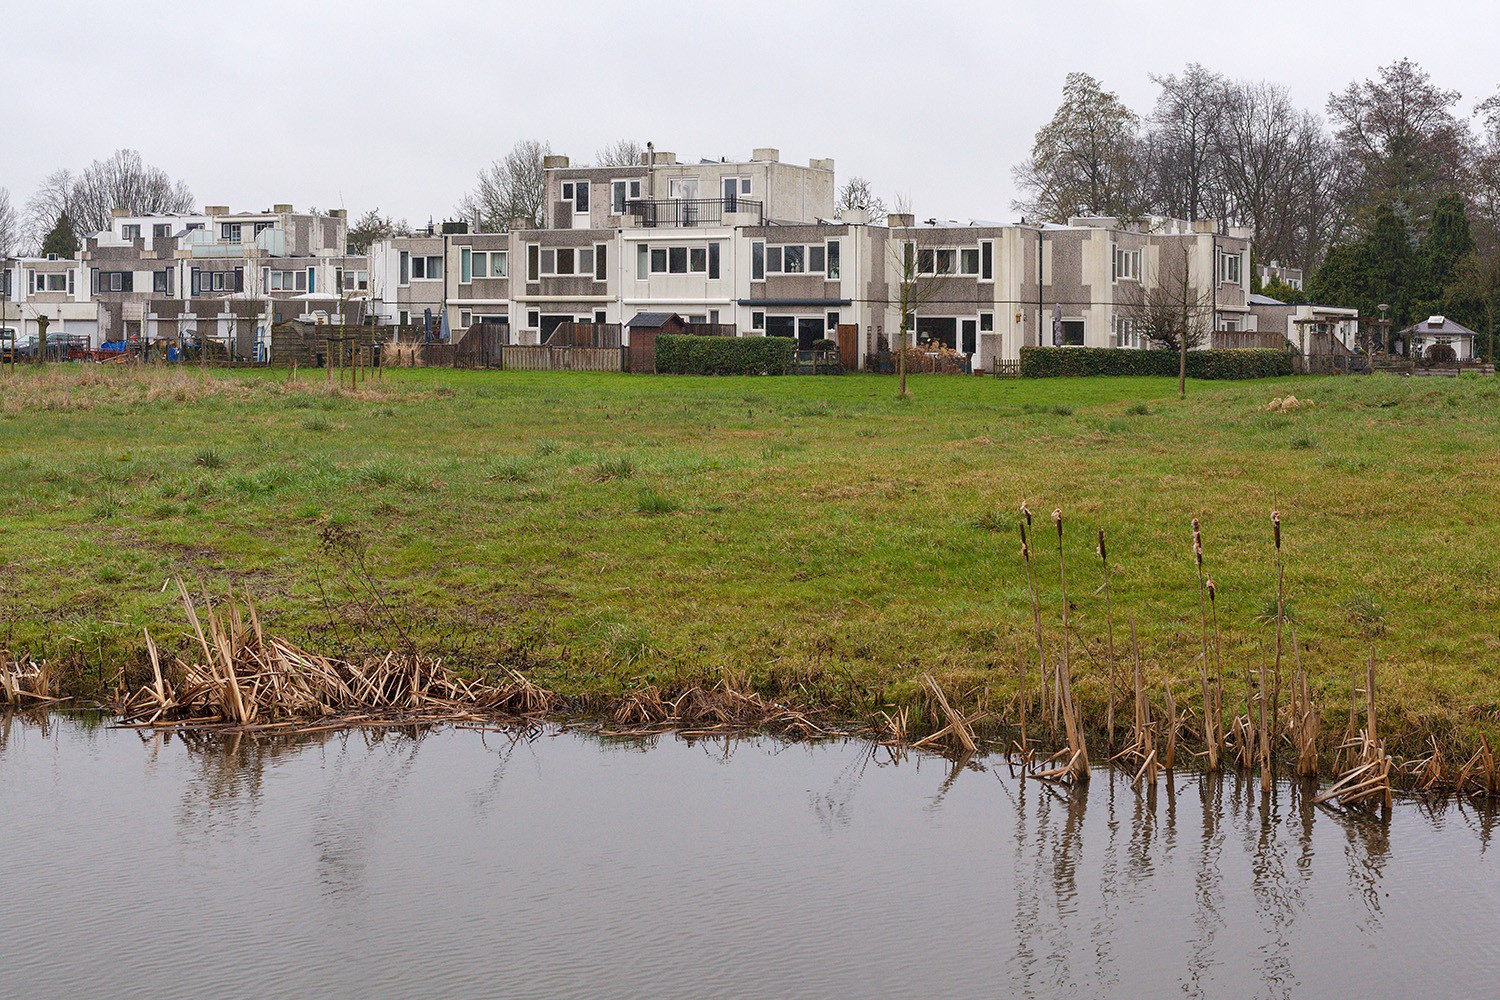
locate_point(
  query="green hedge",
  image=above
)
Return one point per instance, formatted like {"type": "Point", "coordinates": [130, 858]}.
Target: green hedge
{"type": "Point", "coordinates": [686, 355]}
{"type": "Point", "coordinates": [1052, 362]}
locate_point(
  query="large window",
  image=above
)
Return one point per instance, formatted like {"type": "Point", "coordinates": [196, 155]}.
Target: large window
{"type": "Point", "coordinates": [687, 259]}
{"type": "Point", "coordinates": [482, 264]}
{"type": "Point", "coordinates": [229, 232]}
{"type": "Point", "coordinates": [1230, 268]}
{"type": "Point", "coordinates": [1126, 332]}
{"type": "Point", "coordinates": [621, 192]}
{"type": "Point", "coordinates": [1127, 264]}
{"type": "Point", "coordinates": [285, 281]}
{"type": "Point", "coordinates": [1072, 332]}
{"type": "Point", "coordinates": [576, 192]}
{"type": "Point", "coordinates": [933, 261]}
{"type": "Point", "coordinates": [428, 268]}
{"type": "Point", "coordinates": [161, 230]}
{"type": "Point", "coordinates": [987, 260]}
{"type": "Point", "coordinates": [130, 232]}
{"type": "Point", "coordinates": [794, 258]}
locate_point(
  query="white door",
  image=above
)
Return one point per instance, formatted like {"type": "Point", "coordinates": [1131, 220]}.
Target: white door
{"type": "Point", "coordinates": [684, 194]}
{"type": "Point", "coordinates": [581, 195]}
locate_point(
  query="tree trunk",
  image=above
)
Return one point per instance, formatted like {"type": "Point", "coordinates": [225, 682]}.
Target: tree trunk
{"type": "Point", "coordinates": [1182, 367]}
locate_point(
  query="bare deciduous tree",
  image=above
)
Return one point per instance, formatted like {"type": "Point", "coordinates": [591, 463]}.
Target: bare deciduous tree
{"type": "Point", "coordinates": [123, 181]}
{"type": "Point", "coordinates": [1278, 172]}
{"type": "Point", "coordinates": [10, 225]}
{"type": "Point", "coordinates": [47, 204]}
{"type": "Point", "coordinates": [858, 194]}
{"type": "Point", "coordinates": [514, 187]}
{"type": "Point", "coordinates": [1183, 142]}
{"type": "Point", "coordinates": [1402, 136]}
{"type": "Point", "coordinates": [620, 153]}
{"type": "Point", "coordinates": [1169, 309]}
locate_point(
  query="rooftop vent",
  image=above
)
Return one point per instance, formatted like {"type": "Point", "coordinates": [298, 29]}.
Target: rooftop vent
{"type": "Point", "coordinates": [1436, 320]}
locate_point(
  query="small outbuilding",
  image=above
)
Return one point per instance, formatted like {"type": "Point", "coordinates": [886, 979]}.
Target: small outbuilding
{"type": "Point", "coordinates": [1438, 338]}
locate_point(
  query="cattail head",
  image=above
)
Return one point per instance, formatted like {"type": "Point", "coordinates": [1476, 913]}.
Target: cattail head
{"type": "Point", "coordinates": [1057, 520]}
{"type": "Point", "coordinates": [1025, 547]}
{"type": "Point", "coordinates": [1197, 545]}
{"type": "Point", "coordinates": [1209, 586]}
{"type": "Point", "coordinates": [1102, 554]}
{"type": "Point", "coordinates": [1276, 528]}
{"type": "Point", "coordinates": [1026, 512]}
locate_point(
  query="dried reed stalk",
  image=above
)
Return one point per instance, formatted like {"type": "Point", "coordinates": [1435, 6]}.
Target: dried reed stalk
{"type": "Point", "coordinates": [1307, 722]}
{"type": "Point", "coordinates": [1036, 608]}
{"type": "Point", "coordinates": [1212, 739]}
{"type": "Point", "coordinates": [957, 731]}
{"type": "Point", "coordinates": [1072, 714]}
{"type": "Point", "coordinates": [1368, 782]}
{"type": "Point", "coordinates": [1109, 624]}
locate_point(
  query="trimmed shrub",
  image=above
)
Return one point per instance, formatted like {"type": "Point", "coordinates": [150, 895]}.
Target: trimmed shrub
{"type": "Point", "coordinates": [1054, 362]}
{"type": "Point", "coordinates": [678, 354]}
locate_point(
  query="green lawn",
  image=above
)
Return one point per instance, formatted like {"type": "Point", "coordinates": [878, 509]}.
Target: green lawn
{"type": "Point", "coordinates": [814, 534]}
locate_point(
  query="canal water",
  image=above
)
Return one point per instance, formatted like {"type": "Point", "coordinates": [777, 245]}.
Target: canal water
{"type": "Point", "coordinates": [469, 864]}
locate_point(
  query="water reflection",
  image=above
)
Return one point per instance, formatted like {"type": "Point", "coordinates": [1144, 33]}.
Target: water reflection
{"type": "Point", "coordinates": [540, 860]}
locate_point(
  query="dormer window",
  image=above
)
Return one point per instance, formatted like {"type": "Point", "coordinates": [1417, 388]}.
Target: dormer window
{"type": "Point", "coordinates": [130, 231]}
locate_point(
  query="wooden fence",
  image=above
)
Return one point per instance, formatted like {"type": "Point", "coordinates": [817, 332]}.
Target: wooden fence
{"type": "Point", "coordinates": [530, 358]}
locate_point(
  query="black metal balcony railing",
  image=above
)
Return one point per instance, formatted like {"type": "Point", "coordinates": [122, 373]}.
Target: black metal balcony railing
{"type": "Point", "coordinates": [691, 211]}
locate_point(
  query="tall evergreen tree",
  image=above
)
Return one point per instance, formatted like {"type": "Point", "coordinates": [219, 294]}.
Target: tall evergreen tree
{"type": "Point", "coordinates": [1342, 279]}
{"type": "Point", "coordinates": [61, 239]}
{"type": "Point", "coordinates": [1391, 275]}
{"type": "Point", "coordinates": [1448, 242]}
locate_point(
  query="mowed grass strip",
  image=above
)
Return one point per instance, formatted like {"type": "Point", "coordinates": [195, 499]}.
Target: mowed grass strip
{"type": "Point", "coordinates": [815, 535]}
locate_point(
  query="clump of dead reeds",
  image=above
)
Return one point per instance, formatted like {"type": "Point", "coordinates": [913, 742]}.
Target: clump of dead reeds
{"type": "Point", "coordinates": [1141, 750]}
{"type": "Point", "coordinates": [25, 683]}
{"type": "Point", "coordinates": [955, 730]}
{"type": "Point", "coordinates": [1072, 763]}
{"type": "Point", "coordinates": [1367, 782]}
{"type": "Point", "coordinates": [730, 705]}
{"type": "Point", "coordinates": [245, 678]}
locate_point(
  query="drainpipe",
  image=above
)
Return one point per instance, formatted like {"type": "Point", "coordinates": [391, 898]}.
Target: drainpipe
{"type": "Point", "coordinates": [1213, 319]}
{"type": "Point", "coordinates": [650, 171]}
{"type": "Point", "coordinates": [1040, 306]}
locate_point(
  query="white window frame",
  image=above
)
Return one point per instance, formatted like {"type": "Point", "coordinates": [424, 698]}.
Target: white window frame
{"type": "Point", "coordinates": [1125, 265]}
{"type": "Point", "coordinates": [1231, 262]}
{"type": "Point", "coordinates": [130, 231]}
{"type": "Point", "coordinates": [807, 255]}
{"type": "Point", "coordinates": [230, 232]}
{"type": "Point", "coordinates": [622, 191]}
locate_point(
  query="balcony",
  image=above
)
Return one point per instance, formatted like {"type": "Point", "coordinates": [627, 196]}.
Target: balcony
{"type": "Point", "coordinates": [689, 212]}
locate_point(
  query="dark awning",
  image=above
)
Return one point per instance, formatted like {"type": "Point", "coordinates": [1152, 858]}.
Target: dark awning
{"type": "Point", "coordinates": [794, 302]}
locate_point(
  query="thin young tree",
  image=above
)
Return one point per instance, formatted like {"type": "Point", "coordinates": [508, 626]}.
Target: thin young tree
{"type": "Point", "coordinates": [917, 272]}
{"type": "Point", "coordinates": [1170, 309]}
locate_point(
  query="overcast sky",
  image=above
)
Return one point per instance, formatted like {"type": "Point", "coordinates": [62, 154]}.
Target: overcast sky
{"type": "Point", "coordinates": [396, 103]}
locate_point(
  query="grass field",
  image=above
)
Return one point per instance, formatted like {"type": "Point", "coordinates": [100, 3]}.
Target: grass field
{"type": "Point", "coordinates": [816, 535]}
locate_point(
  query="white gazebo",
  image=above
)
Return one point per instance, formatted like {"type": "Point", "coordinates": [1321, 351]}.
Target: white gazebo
{"type": "Point", "coordinates": [1434, 332]}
